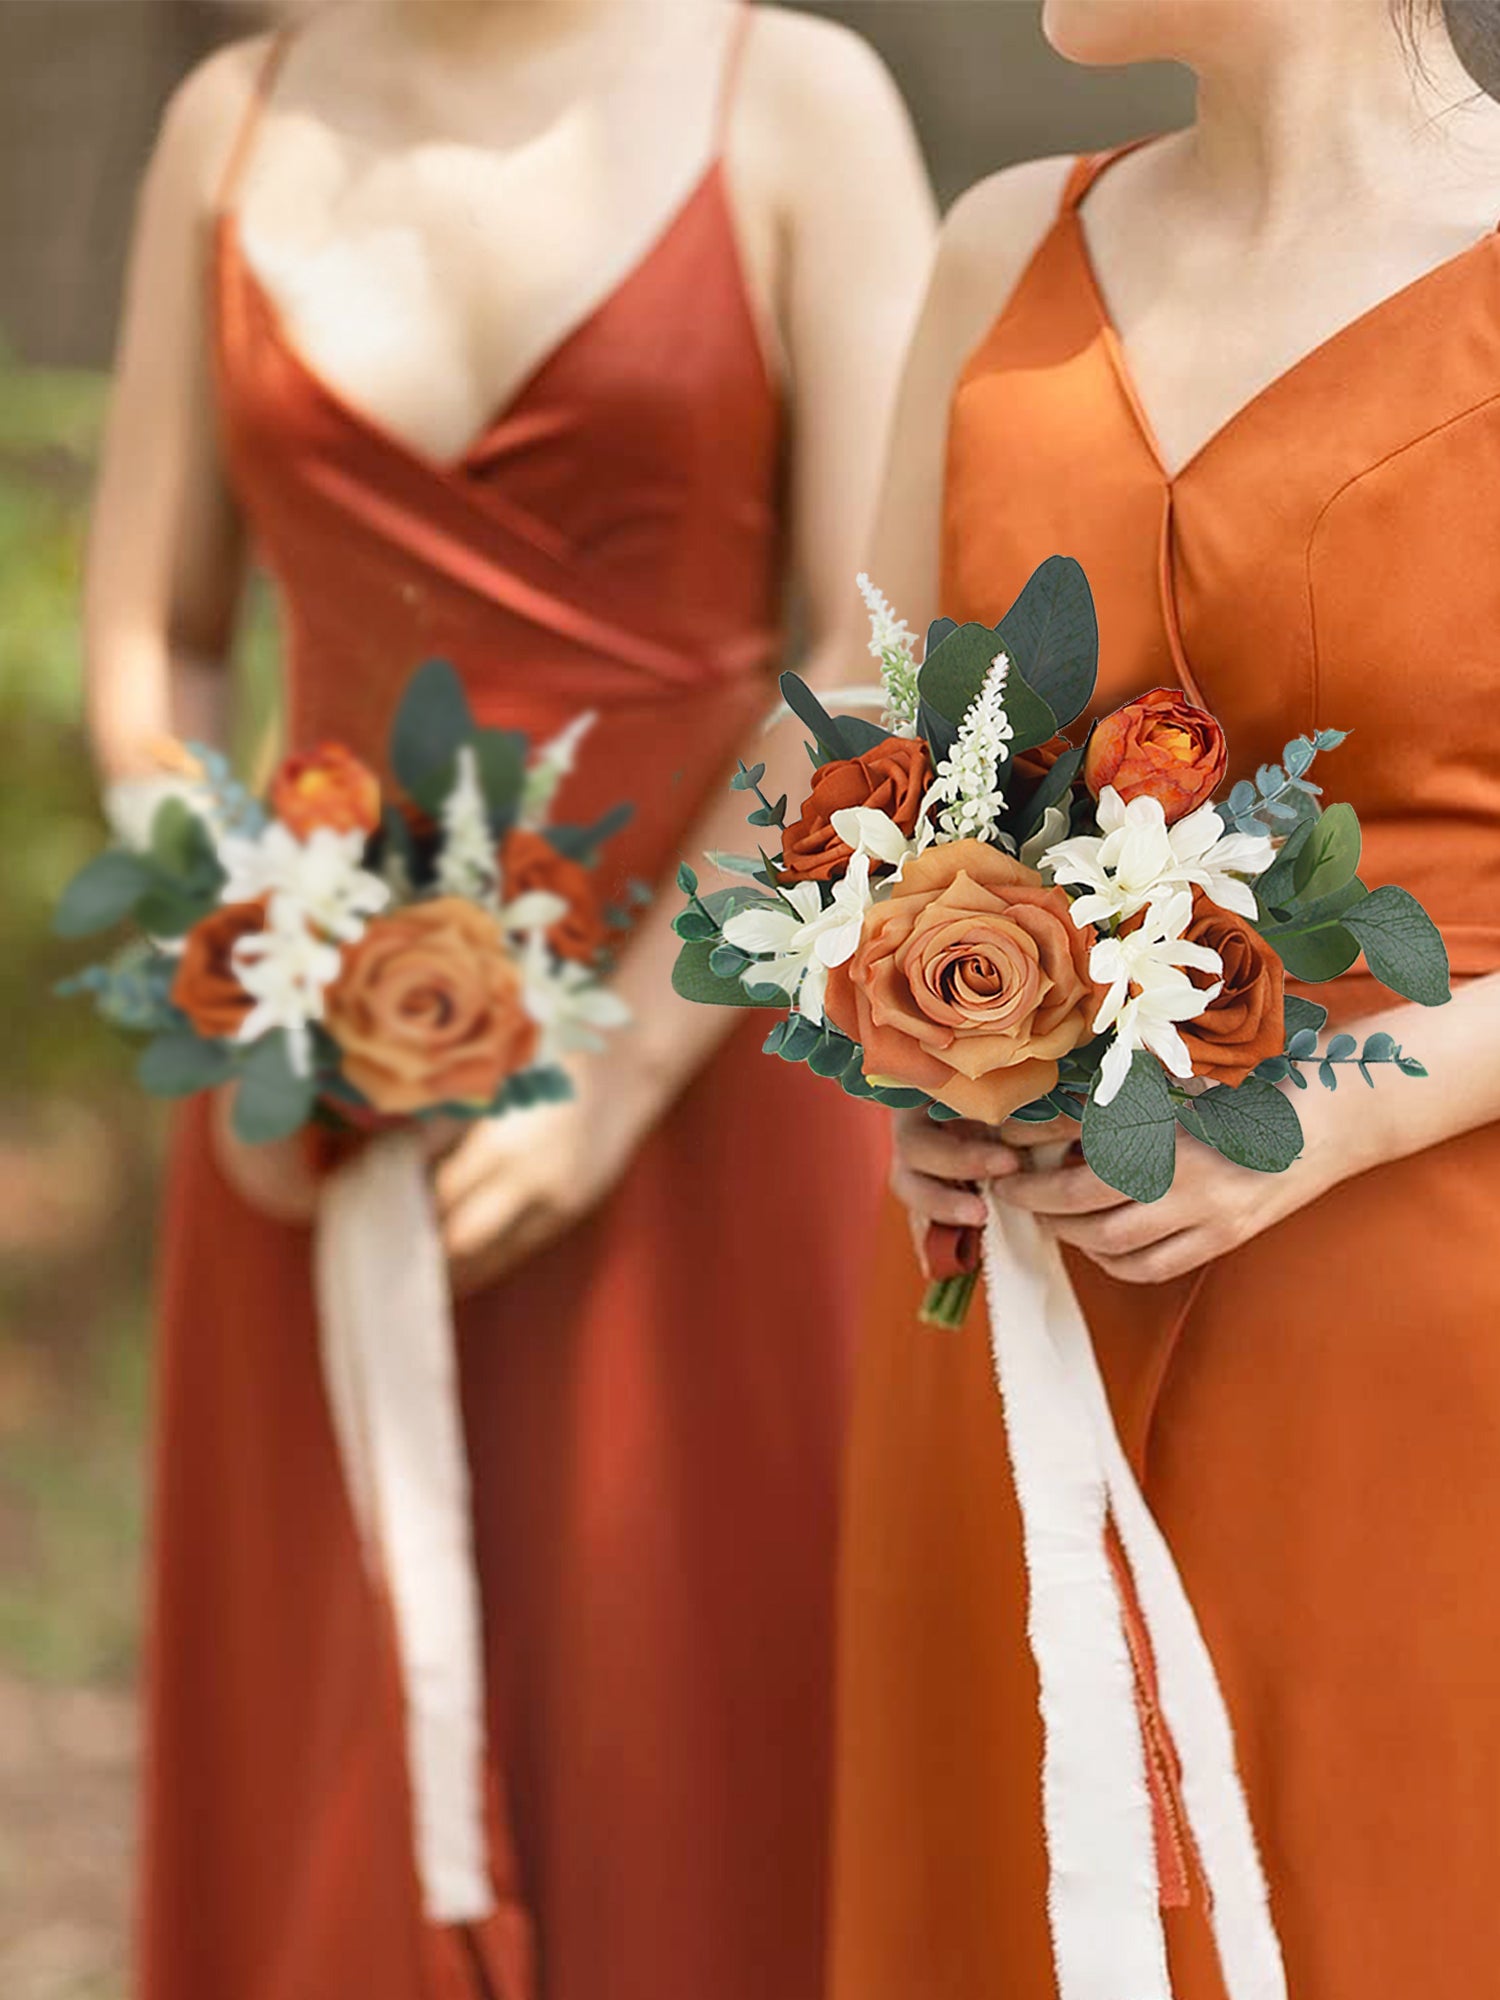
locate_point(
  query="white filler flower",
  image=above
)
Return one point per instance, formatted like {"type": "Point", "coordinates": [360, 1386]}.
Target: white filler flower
{"type": "Point", "coordinates": [467, 866]}
{"type": "Point", "coordinates": [319, 882]}
{"type": "Point", "coordinates": [1138, 858]}
{"type": "Point", "coordinates": [1146, 971]}
{"type": "Point", "coordinates": [805, 940]}
{"type": "Point", "coordinates": [552, 764]}
{"type": "Point", "coordinates": [568, 1002]}
{"type": "Point", "coordinates": [894, 644]}
{"type": "Point", "coordinates": [286, 970]}
{"type": "Point", "coordinates": [964, 801]}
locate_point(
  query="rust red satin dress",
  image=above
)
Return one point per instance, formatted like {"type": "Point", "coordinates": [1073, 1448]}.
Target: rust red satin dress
{"type": "Point", "coordinates": [1315, 1418]}
{"type": "Point", "coordinates": [655, 1406]}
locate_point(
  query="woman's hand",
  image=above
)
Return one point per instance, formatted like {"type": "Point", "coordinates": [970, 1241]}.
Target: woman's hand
{"type": "Point", "coordinates": [1212, 1207]}
{"type": "Point", "coordinates": [514, 1184]}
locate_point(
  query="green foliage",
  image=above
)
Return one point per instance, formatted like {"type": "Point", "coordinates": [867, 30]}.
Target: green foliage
{"type": "Point", "coordinates": [830, 1054]}
{"type": "Point", "coordinates": [1280, 795]}
{"type": "Point", "coordinates": [837, 736]}
{"type": "Point", "coordinates": [271, 1100]}
{"type": "Point", "coordinates": [1302, 1046]}
{"type": "Point", "coordinates": [102, 894]}
{"type": "Point", "coordinates": [179, 1062]}
{"type": "Point", "coordinates": [693, 976]}
{"type": "Point", "coordinates": [433, 723]}
{"type": "Point", "coordinates": [1252, 1123]}
{"type": "Point", "coordinates": [953, 675]}
{"type": "Point", "coordinates": [1052, 790]}
{"type": "Point", "coordinates": [1051, 634]}
{"type": "Point", "coordinates": [132, 991]}
{"type": "Point", "coordinates": [1131, 1142]}
{"type": "Point", "coordinates": [1328, 859]}
{"type": "Point", "coordinates": [1402, 945]}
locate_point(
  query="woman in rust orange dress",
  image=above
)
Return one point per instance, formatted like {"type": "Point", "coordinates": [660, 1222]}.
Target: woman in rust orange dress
{"type": "Point", "coordinates": [485, 324]}
{"type": "Point", "coordinates": [1249, 376]}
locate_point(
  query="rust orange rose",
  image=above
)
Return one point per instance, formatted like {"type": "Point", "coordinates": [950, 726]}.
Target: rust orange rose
{"type": "Point", "coordinates": [429, 1009]}
{"type": "Point", "coordinates": [1159, 747]}
{"type": "Point", "coordinates": [1243, 1026]}
{"type": "Point", "coordinates": [891, 777]}
{"type": "Point", "coordinates": [969, 983]}
{"type": "Point", "coordinates": [529, 861]}
{"type": "Point", "coordinates": [205, 986]}
{"type": "Point", "coordinates": [328, 787]}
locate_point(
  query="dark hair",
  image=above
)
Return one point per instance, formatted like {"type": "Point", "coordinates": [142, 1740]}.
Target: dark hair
{"type": "Point", "coordinates": [1473, 28]}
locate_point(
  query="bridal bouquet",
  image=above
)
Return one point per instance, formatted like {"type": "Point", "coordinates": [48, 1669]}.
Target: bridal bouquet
{"type": "Point", "coordinates": [349, 954]}
{"type": "Point", "coordinates": [973, 912]}
{"type": "Point", "coordinates": [357, 955]}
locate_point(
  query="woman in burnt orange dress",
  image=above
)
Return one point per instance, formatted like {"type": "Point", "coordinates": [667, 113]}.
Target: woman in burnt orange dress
{"type": "Point", "coordinates": [1250, 377]}
{"type": "Point", "coordinates": [485, 323]}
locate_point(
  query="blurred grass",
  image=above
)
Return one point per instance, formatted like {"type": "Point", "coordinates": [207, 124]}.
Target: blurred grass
{"type": "Point", "coordinates": [79, 1147]}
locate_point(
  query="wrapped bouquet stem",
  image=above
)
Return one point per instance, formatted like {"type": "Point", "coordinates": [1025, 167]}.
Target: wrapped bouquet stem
{"type": "Point", "coordinates": [975, 915]}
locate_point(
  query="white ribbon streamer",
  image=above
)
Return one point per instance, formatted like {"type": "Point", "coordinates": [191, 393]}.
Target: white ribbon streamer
{"type": "Point", "coordinates": [1071, 1477]}
{"type": "Point", "coordinates": [389, 1363]}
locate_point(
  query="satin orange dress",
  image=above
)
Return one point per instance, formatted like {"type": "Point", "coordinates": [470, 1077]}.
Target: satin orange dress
{"type": "Point", "coordinates": [655, 1406]}
{"type": "Point", "coordinates": [1315, 1419]}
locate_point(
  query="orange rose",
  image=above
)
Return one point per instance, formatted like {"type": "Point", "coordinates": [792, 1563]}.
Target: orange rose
{"type": "Point", "coordinates": [1034, 764]}
{"type": "Point", "coordinates": [1159, 747]}
{"type": "Point", "coordinates": [429, 1009]}
{"type": "Point", "coordinates": [529, 861]}
{"type": "Point", "coordinates": [1244, 1025]}
{"type": "Point", "coordinates": [968, 983]}
{"type": "Point", "coordinates": [205, 986]}
{"type": "Point", "coordinates": [891, 777]}
{"type": "Point", "coordinates": [329, 787]}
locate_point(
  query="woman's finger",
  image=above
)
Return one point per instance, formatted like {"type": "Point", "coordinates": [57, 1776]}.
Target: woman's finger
{"type": "Point", "coordinates": [1174, 1257]}
{"type": "Point", "coordinates": [946, 1154]}
{"type": "Point", "coordinates": [1121, 1231]}
{"type": "Point", "coordinates": [937, 1200]}
{"type": "Point", "coordinates": [1024, 1134]}
{"type": "Point", "coordinates": [1060, 1191]}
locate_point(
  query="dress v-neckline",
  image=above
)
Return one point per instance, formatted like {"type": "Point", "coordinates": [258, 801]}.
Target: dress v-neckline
{"type": "Point", "coordinates": [1278, 384]}
{"type": "Point", "coordinates": [709, 183]}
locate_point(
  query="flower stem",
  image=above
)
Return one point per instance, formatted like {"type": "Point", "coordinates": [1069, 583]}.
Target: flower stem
{"type": "Point", "coordinates": [947, 1302]}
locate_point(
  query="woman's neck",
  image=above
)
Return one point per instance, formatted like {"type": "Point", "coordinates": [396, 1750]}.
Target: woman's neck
{"type": "Point", "coordinates": [1339, 106]}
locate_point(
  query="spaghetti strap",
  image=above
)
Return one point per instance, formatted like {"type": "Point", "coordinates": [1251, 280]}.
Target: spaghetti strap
{"type": "Point", "coordinates": [1088, 168]}
{"type": "Point", "coordinates": [255, 105]}
{"type": "Point", "coordinates": [739, 35]}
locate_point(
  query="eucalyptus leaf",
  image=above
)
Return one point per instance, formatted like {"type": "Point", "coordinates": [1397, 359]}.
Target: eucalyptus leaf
{"type": "Point", "coordinates": [433, 723]}
{"type": "Point", "coordinates": [1051, 634]}
{"type": "Point", "coordinates": [693, 978]}
{"type": "Point", "coordinates": [271, 1101]}
{"type": "Point", "coordinates": [501, 756]}
{"type": "Point", "coordinates": [831, 735]}
{"type": "Point", "coordinates": [1054, 787]}
{"type": "Point", "coordinates": [1402, 945]}
{"type": "Point", "coordinates": [937, 632]}
{"type": "Point", "coordinates": [1329, 856]}
{"type": "Point", "coordinates": [1341, 1048]}
{"type": "Point", "coordinates": [102, 893]}
{"type": "Point", "coordinates": [1252, 1123]}
{"type": "Point", "coordinates": [178, 1063]}
{"type": "Point", "coordinates": [1300, 1013]}
{"type": "Point", "coordinates": [953, 676]}
{"type": "Point", "coordinates": [832, 1055]}
{"type": "Point", "coordinates": [1131, 1142]}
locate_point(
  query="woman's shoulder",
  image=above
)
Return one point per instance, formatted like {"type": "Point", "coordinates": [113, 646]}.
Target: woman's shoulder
{"type": "Point", "coordinates": [205, 116]}
{"type": "Point", "coordinates": [988, 240]}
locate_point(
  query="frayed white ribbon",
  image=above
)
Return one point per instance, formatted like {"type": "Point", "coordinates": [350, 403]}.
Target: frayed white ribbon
{"type": "Point", "coordinates": [385, 1322]}
{"type": "Point", "coordinates": [1071, 1477]}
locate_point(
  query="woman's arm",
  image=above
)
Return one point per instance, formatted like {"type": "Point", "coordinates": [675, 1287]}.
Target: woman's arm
{"type": "Point", "coordinates": [165, 556]}
{"type": "Point", "coordinates": [1214, 1206]}
{"type": "Point", "coordinates": [821, 134]}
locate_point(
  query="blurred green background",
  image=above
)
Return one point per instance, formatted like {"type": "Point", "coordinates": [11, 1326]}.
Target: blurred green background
{"type": "Point", "coordinates": [81, 86]}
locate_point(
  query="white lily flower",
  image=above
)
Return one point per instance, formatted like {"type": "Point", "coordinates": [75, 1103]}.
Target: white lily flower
{"type": "Point", "coordinates": [867, 830]}
{"type": "Point", "coordinates": [1146, 971]}
{"type": "Point", "coordinates": [319, 882]}
{"type": "Point", "coordinates": [1035, 853]}
{"type": "Point", "coordinates": [1138, 858]}
{"type": "Point", "coordinates": [803, 940]}
{"type": "Point", "coordinates": [568, 1002]}
{"type": "Point", "coordinates": [533, 914]}
{"type": "Point", "coordinates": [286, 970]}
